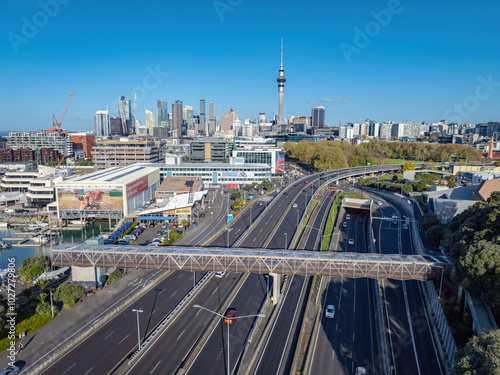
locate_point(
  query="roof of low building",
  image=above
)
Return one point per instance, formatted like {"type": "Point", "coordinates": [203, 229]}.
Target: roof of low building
{"type": "Point", "coordinates": [115, 175]}
{"type": "Point", "coordinates": [485, 188]}
{"type": "Point", "coordinates": [180, 184]}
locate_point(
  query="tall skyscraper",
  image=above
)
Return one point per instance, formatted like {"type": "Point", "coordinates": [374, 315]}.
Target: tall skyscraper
{"type": "Point", "coordinates": [150, 121]}
{"type": "Point", "coordinates": [211, 118]}
{"type": "Point", "coordinates": [125, 113]}
{"type": "Point", "coordinates": [101, 123]}
{"type": "Point", "coordinates": [233, 115]}
{"type": "Point", "coordinates": [176, 119]}
{"type": "Point", "coordinates": [318, 117]}
{"type": "Point", "coordinates": [162, 113]}
{"type": "Point", "coordinates": [116, 126]}
{"type": "Point", "coordinates": [262, 118]}
{"type": "Point", "coordinates": [188, 116]}
{"type": "Point", "coordinates": [281, 86]}
{"type": "Point", "coordinates": [201, 128]}
{"type": "Point", "coordinates": [225, 122]}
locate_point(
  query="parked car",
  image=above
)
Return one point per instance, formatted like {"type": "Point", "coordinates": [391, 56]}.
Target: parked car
{"type": "Point", "coordinates": [194, 223]}
{"type": "Point", "coordinates": [11, 370]}
{"type": "Point", "coordinates": [174, 225]}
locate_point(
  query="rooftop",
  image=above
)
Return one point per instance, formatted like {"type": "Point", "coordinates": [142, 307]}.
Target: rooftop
{"type": "Point", "coordinates": [218, 165]}
{"type": "Point", "coordinates": [117, 175]}
{"type": "Point", "coordinates": [205, 140]}
{"type": "Point", "coordinates": [180, 184]}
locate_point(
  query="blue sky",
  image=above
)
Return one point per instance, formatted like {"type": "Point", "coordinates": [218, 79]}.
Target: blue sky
{"type": "Point", "coordinates": [418, 61]}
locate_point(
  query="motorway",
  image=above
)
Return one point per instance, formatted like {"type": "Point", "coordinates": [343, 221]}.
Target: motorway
{"type": "Point", "coordinates": [347, 340]}
{"type": "Point", "coordinates": [412, 346]}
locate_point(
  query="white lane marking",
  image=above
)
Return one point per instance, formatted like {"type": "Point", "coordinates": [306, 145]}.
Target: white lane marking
{"type": "Point", "coordinates": [215, 290]}
{"type": "Point", "coordinates": [109, 335]}
{"type": "Point", "coordinates": [333, 354]}
{"type": "Point", "coordinates": [155, 366]}
{"type": "Point", "coordinates": [336, 327]}
{"type": "Point", "coordinates": [353, 337]}
{"type": "Point", "coordinates": [151, 313]}
{"type": "Point", "coordinates": [74, 364]}
{"type": "Point", "coordinates": [180, 275]}
{"type": "Point", "coordinates": [89, 371]}
{"type": "Point", "coordinates": [122, 339]}
{"type": "Point", "coordinates": [181, 334]}
{"type": "Point", "coordinates": [173, 294]}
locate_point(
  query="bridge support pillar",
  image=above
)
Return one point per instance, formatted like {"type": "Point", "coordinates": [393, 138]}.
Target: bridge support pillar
{"type": "Point", "coordinates": [276, 287]}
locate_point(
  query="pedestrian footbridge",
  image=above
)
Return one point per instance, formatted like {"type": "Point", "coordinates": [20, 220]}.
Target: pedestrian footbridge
{"type": "Point", "coordinates": [263, 261]}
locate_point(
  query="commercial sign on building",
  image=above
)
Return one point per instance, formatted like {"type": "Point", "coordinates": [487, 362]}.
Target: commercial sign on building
{"type": "Point", "coordinates": [90, 199]}
{"type": "Point", "coordinates": [183, 211]}
{"type": "Point", "coordinates": [242, 174]}
{"type": "Point", "coordinates": [137, 187]}
{"type": "Point", "coordinates": [280, 162]}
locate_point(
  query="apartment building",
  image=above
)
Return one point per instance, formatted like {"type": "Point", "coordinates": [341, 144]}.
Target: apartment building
{"type": "Point", "coordinates": [115, 153]}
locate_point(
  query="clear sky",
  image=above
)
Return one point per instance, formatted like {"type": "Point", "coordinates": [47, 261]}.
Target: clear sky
{"type": "Point", "coordinates": [384, 60]}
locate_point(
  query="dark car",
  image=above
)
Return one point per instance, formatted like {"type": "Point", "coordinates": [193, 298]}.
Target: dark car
{"type": "Point", "coordinates": [230, 315]}
{"type": "Point", "coordinates": [304, 190]}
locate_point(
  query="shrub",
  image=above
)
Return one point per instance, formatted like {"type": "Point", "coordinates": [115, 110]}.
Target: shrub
{"type": "Point", "coordinates": [69, 293]}
{"type": "Point", "coordinates": [115, 276]}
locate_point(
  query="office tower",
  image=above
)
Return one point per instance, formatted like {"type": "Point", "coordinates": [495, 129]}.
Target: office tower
{"type": "Point", "coordinates": [176, 119]}
{"type": "Point", "coordinates": [262, 118]}
{"type": "Point", "coordinates": [162, 113]}
{"type": "Point", "coordinates": [150, 121]}
{"type": "Point", "coordinates": [211, 118]}
{"type": "Point", "coordinates": [188, 116]}
{"type": "Point", "coordinates": [101, 123]}
{"type": "Point", "coordinates": [281, 86]}
{"type": "Point", "coordinates": [318, 117]}
{"type": "Point", "coordinates": [233, 116]}
{"type": "Point", "coordinates": [225, 122]}
{"type": "Point", "coordinates": [116, 126]}
{"type": "Point", "coordinates": [201, 129]}
{"type": "Point", "coordinates": [125, 113]}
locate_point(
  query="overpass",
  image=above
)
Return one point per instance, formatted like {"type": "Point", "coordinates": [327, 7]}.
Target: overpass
{"type": "Point", "coordinates": [284, 262]}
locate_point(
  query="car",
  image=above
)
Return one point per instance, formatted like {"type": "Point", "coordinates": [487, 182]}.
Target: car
{"type": "Point", "coordinates": [174, 225]}
{"type": "Point", "coordinates": [158, 233]}
{"type": "Point", "coordinates": [360, 220]}
{"type": "Point", "coordinates": [306, 182]}
{"type": "Point", "coordinates": [344, 224]}
{"type": "Point", "coordinates": [360, 371]}
{"type": "Point", "coordinates": [179, 226]}
{"type": "Point", "coordinates": [330, 312]}
{"type": "Point", "coordinates": [304, 190]}
{"type": "Point", "coordinates": [294, 205]}
{"type": "Point", "coordinates": [351, 242]}
{"type": "Point", "coordinates": [194, 223]}
{"type": "Point", "coordinates": [285, 193]}
{"type": "Point", "coordinates": [260, 203]}
{"type": "Point", "coordinates": [164, 225]}
{"type": "Point", "coordinates": [220, 273]}
{"type": "Point", "coordinates": [165, 233]}
{"type": "Point", "coordinates": [230, 315]}
{"type": "Point", "coordinates": [202, 215]}
{"type": "Point", "coordinates": [395, 219]}
{"type": "Point", "coordinates": [321, 178]}
{"type": "Point", "coordinates": [379, 203]}
{"type": "Point", "coordinates": [11, 370]}
{"type": "Point", "coordinates": [348, 217]}
{"type": "Point", "coordinates": [179, 232]}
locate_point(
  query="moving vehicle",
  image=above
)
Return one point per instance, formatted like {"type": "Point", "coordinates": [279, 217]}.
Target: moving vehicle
{"type": "Point", "coordinates": [395, 219]}
{"type": "Point", "coordinates": [344, 224]}
{"type": "Point", "coordinates": [220, 273]}
{"type": "Point", "coordinates": [306, 182]}
{"type": "Point", "coordinates": [351, 242]}
{"type": "Point", "coordinates": [330, 312]}
{"type": "Point", "coordinates": [348, 217]}
{"type": "Point", "coordinates": [294, 205]}
{"type": "Point", "coordinates": [360, 371]}
{"type": "Point", "coordinates": [379, 203]}
{"type": "Point", "coordinates": [230, 315]}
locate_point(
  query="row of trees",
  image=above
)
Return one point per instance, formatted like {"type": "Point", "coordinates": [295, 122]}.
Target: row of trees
{"type": "Point", "coordinates": [328, 155]}
{"type": "Point", "coordinates": [431, 226]}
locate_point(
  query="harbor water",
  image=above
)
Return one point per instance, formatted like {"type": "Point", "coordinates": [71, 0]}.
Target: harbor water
{"type": "Point", "coordinates": [68, 235]}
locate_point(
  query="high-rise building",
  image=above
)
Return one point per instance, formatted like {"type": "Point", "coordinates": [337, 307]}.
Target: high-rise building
{"type": "Point", "coordinates": [188, 116]}
{"type": "Point", "coordinates": [318, 117]}
{"type": "Point", "coordinates": [262, 118]}
{"type": "Point", "coordinates": [116, 126]}
{"type": "Point", "coordinates": [211, 118]}
{"type": "Point", "coordinates": [201, 128]}
{"type": "Point", "coordinates": [162, 113]}
{"type": "Point", "coordinates": [150, 121]}
{"type": "Point", "coordinates": [176, 119]}
{"type": "Point", "coordinates": [125, 113]}
{"type": "Point", "coordinates": [281, 86]}
{"type": "Point", "coordinates": [101, 123]}
{"type": "Point", "coordinates": [233, 116]}
{"type": "Point", "coordinates": [225, 122]}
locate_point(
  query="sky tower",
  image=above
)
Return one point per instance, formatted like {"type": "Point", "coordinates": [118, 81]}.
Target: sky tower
{"type": "Point", "coordinates": [281, 85]}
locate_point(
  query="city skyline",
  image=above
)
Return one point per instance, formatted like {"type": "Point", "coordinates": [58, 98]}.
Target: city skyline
{"type": "Point", "coordinates": [389, 61]}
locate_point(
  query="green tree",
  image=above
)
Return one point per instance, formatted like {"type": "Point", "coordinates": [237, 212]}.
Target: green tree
{"type": "Point", "coordinates": [115, 276]}
{"type": "Point", "coordinates": [42, 284]}
{"type": "Point", "coordinates": [434, 235]}
{"type": "Point", "coordinates": [26, 292]}
{"type": "Point", "coordinates": [69, 293]}
{"type": "Point", "coordinates": [408, 166]}
{"type": "Point", "coordinates": [184, 223]}
{"type": "Point", "coordinates": [395, 178]}
{"type": "Point", "coordinates": [452, 183]}
{"type": "Point", "coordinates": [42, 297]}
{"type": "Point", "coordinates": [427, 221]}
{"type": "Point", "coordinates": [481, 355]}
{"type": "Point", "coordinates": [267, 185]}
{"type": "Point", "coordinates": [407, 189]}
{"type": "Point", "coordinates": [235, 193]}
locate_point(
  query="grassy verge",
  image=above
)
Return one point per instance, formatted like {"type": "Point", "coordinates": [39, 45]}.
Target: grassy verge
{"type": "Point", "coordinates": [314, 203]}
{"type": "Point", "coordinates": [332, 216]}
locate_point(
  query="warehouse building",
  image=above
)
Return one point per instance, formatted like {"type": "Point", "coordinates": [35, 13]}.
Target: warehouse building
{"type": "Point", "coordinates": [112, 193]}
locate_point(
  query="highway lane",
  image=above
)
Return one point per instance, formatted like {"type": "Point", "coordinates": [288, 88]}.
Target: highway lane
{"type": "Point", "coordinates": [166, 356]}
{"type": "Point", "coordinates": [410, 336]}
{"type": "Point", "coordinates": [105, 348]}
{"type": "Point", "coordinates": [247, 302]}
{"type": "Point", "coordinates": [347, 341]}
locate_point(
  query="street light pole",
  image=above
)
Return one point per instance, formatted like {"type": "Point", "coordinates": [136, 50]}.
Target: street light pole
{"type": "Point", "coordinates": [222, 316]}
{"type": "Point", "coordinates": [138, 329]}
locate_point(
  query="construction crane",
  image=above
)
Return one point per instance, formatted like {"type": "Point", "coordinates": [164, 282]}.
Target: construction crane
{"type": "Point", "coordinates": [58, 123]}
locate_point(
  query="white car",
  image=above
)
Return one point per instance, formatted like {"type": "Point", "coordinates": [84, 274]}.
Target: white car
{"type": "Point", "coordinates": [294, 205]}
{"type": "Point", "coordinates": [220, 273]}
{"type": "Point", "coordinates": [379, 203]}
{"type": "Point", "coordinates": [351, 242]}
{"type": "Point", "coordinates": [360, 371]}
{"type": "Point", "coordinates": [330, 312]}
{"type": "Point", "coordinates": [344, 224]}
{"type": "Point", "coordinates": [348, 217]}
